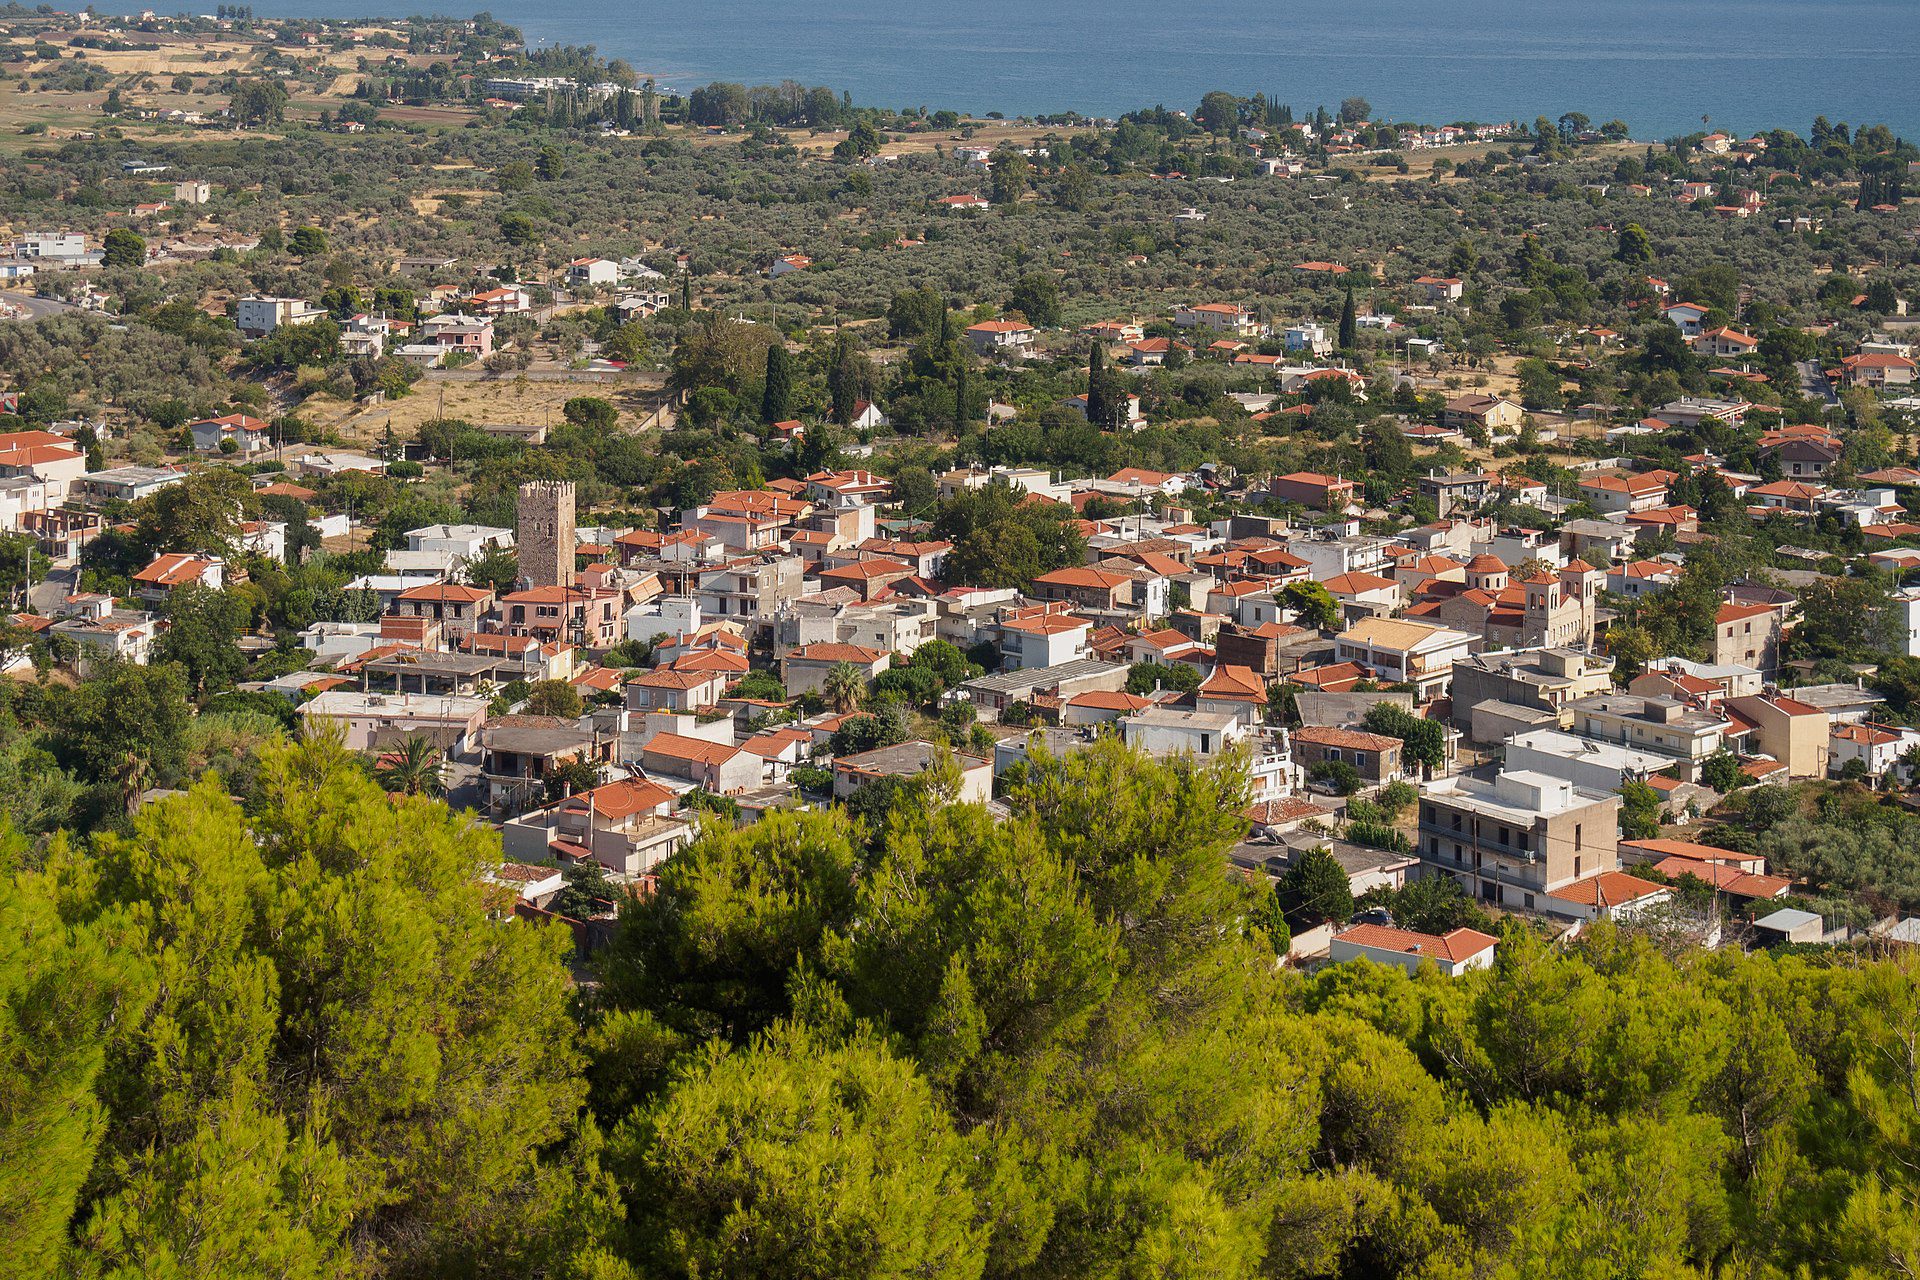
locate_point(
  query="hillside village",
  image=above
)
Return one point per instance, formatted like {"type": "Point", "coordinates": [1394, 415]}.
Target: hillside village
{"type": "Point", "coordinates": [1464, 700]}
{"type": "Point", "coordinates": [1456, 561]}
{"type": "Point", "coordinates": [604, 680]}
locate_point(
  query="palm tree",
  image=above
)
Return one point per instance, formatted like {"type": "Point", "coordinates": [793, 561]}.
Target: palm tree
{"type": "Point", "coordinates": [844, 687]}
{"type": "Point", "coordinates": [416, 769]}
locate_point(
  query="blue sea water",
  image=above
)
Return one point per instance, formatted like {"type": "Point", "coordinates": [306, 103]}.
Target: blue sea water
{"type": "Point", "coordinates": [1660, 65]}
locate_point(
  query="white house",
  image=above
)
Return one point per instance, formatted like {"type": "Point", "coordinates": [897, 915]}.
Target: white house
{"type": "Point", "coordinates": [1226, 318]}
{"type": "Point", "coordinates": [52, 246]}
{"type": "Point", "coordinates": [592, 272]}
{"type": "Point", "coordinates": [1400, 650]}
{"type": "Point", "coordinates": [1310, 338]}
{"type": "Point", "coordinates": [1877, 746]}
{"type": "Point", "coordinates": [441, 548]}
{"type": "Point", "coordinates": [1000, 336]}
{"type": "Point", "coordinates": [1453, 953]}
{"type": "Point", "coordinates": [1687, 315]}
{"type": "Point", "coordinates": [1043, 640]}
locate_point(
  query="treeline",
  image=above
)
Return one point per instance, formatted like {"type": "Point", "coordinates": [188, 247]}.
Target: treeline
{"type": "Point", "coordinates": [295, 1032]}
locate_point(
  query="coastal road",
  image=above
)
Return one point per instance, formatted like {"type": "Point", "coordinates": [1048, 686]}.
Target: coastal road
{"type": "Point", "coordinates": [28, 307]}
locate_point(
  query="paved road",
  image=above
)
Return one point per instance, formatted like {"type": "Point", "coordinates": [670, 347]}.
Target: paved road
{"type": "Point", "coordinates": [49, 594]}
{"type": "Point", "coordinates": [30, 307]}
{"type": "Point", "coordinates": [1813, 382]}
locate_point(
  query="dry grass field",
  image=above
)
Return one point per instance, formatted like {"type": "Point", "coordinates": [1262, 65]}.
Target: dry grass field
{"type": "Point", "coordinates": [488, 400]}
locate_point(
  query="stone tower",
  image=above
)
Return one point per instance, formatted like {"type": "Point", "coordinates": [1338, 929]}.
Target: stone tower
{"type": "Point", "coordinates": [545, 533]}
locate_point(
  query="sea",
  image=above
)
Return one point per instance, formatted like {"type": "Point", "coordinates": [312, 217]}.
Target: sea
{"type": "Point", "coordinates": [1665, 67]}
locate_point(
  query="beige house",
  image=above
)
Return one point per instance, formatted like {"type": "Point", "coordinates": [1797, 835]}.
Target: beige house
{"type": "Point", "coordinates": [1790, 731]}
{"type": "Point", "coordinates": [1496, 414]}
{"type": "Point", "coordinates": [716, 767]}
{"type": "Point", "coordinates": [804, 670]}
{"type": "Point", "coordinates": [1747, 635]}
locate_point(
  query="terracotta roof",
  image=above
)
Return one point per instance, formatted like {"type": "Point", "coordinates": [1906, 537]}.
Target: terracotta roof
{"type": "Point", "coordinates": [865, 570]}
{"type": "Point", "coordinates": [1607, 888]}
{"type": "Point", "coordinates": [1453, 947]}
{"type": "Point", "coordinates": [712, 661]}
{"type": "Point", "coordinates": [668, 678]}
{"type": "Point", "coordinates": [1271, 812]}
{"type": "Point", "coordinates": [1725, 878]}
{"type": "Point", "coordinates": [173, 569]}
{"type": "Point", "coordinates": [697, 750]}
{"type": "Point", "coordinates": [1347, 673]}
{"type": "Point", "coordinates": [828, 651]}
{"type": "Point", "coordinates": [1046, 624]}
{"type": "Point", "coordinates": [1354, 739]}
{"type": "Point", "coordinates": [1234, 683]}
{"type": "Point", "coordinates": [1866, 735]}
{"type": "Point", "coordinates": [1110, 700]}
{"type": "Point", "coordinates": [618, 800]}
{"type": "Point", "coordinates": [1139, 475]}
{"type": "Point", "coordinates": [1098, 579]}
{"type": "Point", "coordinates": [1354, 584]}
{"type": "Point", "coordinates": [446, 593]}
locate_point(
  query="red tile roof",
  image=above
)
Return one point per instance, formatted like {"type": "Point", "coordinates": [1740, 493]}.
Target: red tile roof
{"type": "Point", "coordinates": [1453, 947]}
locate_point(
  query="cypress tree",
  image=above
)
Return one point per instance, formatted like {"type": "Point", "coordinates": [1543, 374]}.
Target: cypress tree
{"type": "Point", "coordinates": [1097, 384]}
{"type": "Point", "coordinates": [776, 401]}
{"type": "Point", "coordinates": [1348, 323]}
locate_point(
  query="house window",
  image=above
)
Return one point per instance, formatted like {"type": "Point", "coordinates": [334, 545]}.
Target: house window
{"type": "Point", "coordinates": [1359, 759]}
{"type": "Point", "coordinates": [1333, 754]}
{"type": "Point", "coordinates": [1577, 843]}
{"type": "Point", "coordinates": [1576, 865]}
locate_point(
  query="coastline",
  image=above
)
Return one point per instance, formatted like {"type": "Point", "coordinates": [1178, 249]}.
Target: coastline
{"type": "Point", "coordinates": [1745, 65]}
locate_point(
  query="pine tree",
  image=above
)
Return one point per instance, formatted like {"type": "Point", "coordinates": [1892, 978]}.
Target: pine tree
{"type": "Point", "coordinates": [63, 989]}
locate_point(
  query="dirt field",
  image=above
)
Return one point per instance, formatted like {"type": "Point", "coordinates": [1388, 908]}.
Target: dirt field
{"type": "Point", "coordinates": [428, 205]}
{"type": "Point", "coordinates": [1420, 163]}
{"type": "Point", "coordinates": [507, 400]}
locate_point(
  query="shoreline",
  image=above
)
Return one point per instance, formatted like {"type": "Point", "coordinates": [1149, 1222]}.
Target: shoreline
{"type": "Point", "coordinates": [965, 63]}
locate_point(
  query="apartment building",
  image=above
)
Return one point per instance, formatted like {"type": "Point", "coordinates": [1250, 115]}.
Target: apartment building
{"type": "Point", "coordinates": [1519, 839]}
